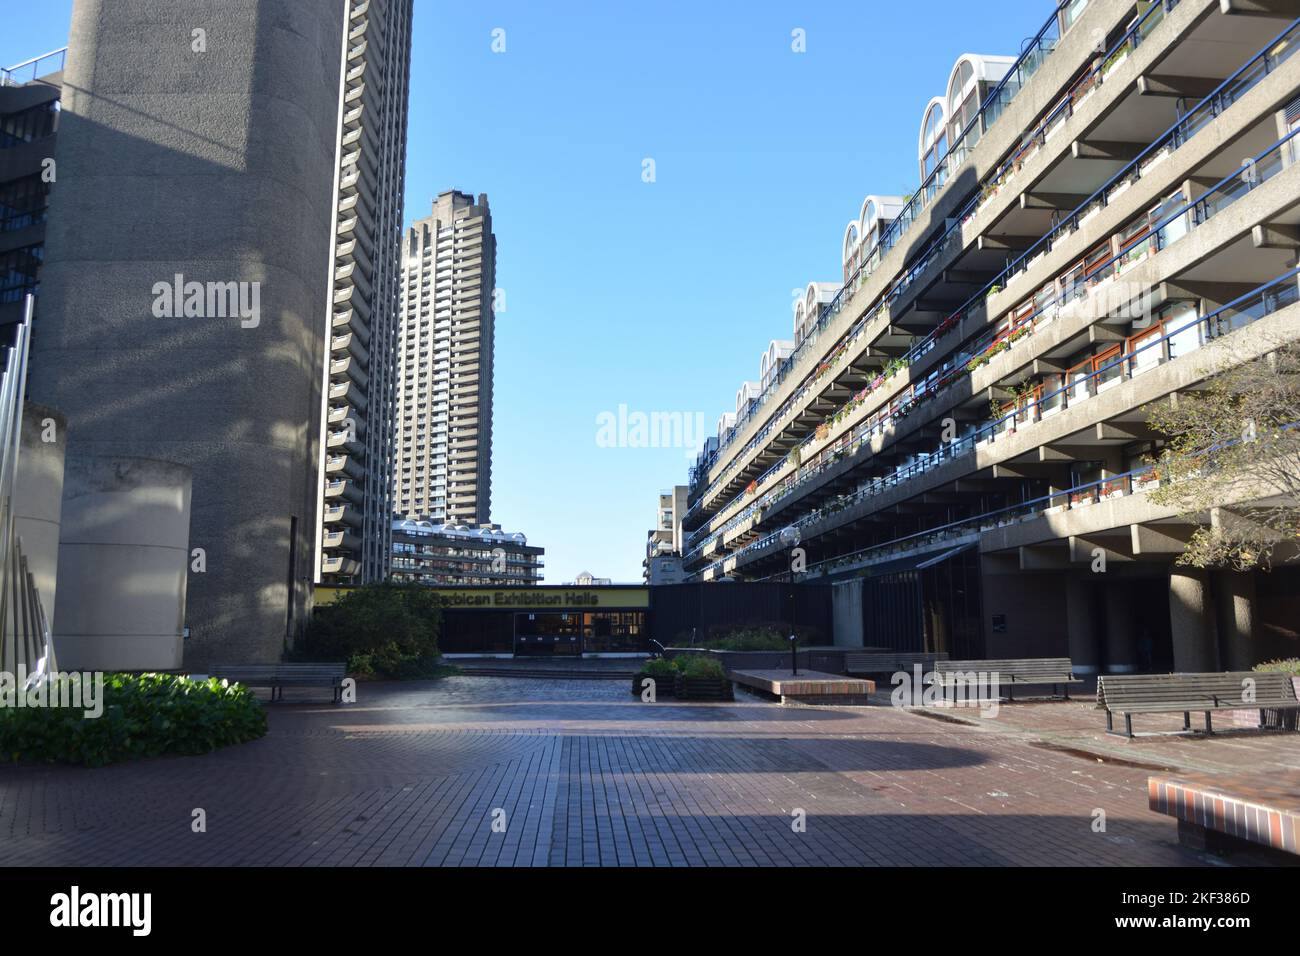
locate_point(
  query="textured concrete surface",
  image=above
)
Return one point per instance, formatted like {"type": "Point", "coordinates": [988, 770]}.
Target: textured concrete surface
{"type": "Point", "coordinates": [216, 166]}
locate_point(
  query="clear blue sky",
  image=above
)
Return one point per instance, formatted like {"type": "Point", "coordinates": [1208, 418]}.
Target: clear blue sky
{"type": "Point", "coordinates": [659, 296]}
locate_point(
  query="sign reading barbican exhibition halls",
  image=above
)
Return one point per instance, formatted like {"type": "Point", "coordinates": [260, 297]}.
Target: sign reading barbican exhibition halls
{"type": "Point", "coordinates": [524, 598]}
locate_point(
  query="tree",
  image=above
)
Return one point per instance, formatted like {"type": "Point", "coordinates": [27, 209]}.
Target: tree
{"type": "Point", "coordinates": [385, 630]}
{"type": "Point", "coordinates": [1234, 451]}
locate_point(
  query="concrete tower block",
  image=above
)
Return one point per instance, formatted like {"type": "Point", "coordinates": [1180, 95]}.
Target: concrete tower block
{"type": "Point", "coordinates": [207, 156]}
{"type": "Point", "coordinates": [123, 562]}
{"type": "Point", "coordinates": [1191, 620]}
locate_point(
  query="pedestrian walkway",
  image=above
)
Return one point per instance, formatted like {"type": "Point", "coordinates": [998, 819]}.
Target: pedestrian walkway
{"type": "Point", "coordinates": [514, 771]}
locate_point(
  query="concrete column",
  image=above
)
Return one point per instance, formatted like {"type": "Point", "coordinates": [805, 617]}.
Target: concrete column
{"type": "Point", "coordinates": [1191, 621]}
{"type": "Point", "coordinates": [846, 613]}
{"type": "Point", "coordinates": [1235, 602]}
{"type": "Point", "coordinates": [209, 178]}
{"type": "Point", "coordinates": [1081, 625]}
{"type": "Point", "coordinates": [1121, 629]}
{"type": "Point", "coordinates": [123, 563]}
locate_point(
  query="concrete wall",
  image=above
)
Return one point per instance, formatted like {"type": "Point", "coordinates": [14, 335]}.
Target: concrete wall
{"type": "Point", "coordinates": [123, 558]}
{"type": "Point", "coordinates": [217, 166]}
{"type": "Point", "coordinates": [38, 496]}
{"type": "Point", "coordinates": [1032, 607]}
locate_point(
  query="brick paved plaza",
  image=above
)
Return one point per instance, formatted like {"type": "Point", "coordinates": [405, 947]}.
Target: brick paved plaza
{"type": "Point", "coordinates": [587, 775]}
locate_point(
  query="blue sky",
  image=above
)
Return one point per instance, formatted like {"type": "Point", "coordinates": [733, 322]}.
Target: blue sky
{"type": "Point", "coordinates": [658, 296]}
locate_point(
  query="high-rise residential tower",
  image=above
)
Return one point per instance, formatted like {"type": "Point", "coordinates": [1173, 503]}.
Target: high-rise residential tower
{"type": "Point", "coordinates": [360, 363]}
{"type": "Point", "coordinates": [443, 467]}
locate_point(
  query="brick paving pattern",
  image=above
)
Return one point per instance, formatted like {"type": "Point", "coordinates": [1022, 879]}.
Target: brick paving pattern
{"type": "Point", "coordinates": [580, 773]}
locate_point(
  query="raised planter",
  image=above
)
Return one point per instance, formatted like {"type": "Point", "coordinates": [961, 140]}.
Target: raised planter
{"type": "Point", "coordinates": [1271, 718]}
{"type": "Point", "coordinates": [665, 685]}
{"type": "Point", "coordinates": [703, 688]}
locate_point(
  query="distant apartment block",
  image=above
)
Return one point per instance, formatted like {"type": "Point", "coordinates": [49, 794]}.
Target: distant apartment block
{"type": "Point", "coordinates": [360, 365]}
{"type": "Point", "coordinates": [443, 463]}
{"type": "Point", "coordinates": [960, 430]}
{"type": "Point", "coordinates": [663, 554]}
{"type": "Point", "coordinates": [450, 556]}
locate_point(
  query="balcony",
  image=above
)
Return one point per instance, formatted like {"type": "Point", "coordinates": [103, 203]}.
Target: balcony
{"type": "Point", "coordinates": [342, 514]}
{"type": "Point", "coordinates": [345, 489]}
{"type": "Point", "coordinates": [340, 565]}
{"type": "Point", "coordinates": [340, 540]}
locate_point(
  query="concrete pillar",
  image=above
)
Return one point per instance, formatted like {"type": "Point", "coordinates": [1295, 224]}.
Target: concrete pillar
{"type": "Point", "coordinates": [38, 496]}
{"type": "Point", "coordinates": [1121, 629]}
{"type": "Point", "coordinates": [1235, 602]}
{"type": "Point", "coordinates": [207, 177]}
{"type": "Point", "coordinates": [123, 563]}
{"type": "Point", "coordinates": [1081, 624]}
{"type": "Point", "coordinates": [846, 613]}
{"type": "Point", "coordinates": [1191, 621]}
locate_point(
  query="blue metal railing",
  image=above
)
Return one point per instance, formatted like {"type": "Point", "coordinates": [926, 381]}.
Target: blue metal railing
{"type": "Point", "coordinates": [1264, 62]}
{"type": "Point", "coordinates": [1257, 304]}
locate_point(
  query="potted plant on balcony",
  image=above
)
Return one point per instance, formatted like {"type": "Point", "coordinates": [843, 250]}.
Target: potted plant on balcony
{"type": "Point", "coordinates": [1148, 480]}
{"type": "Point", "coordinates": [701, 678]}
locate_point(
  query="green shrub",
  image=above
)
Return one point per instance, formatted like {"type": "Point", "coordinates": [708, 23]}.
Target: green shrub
{"type": "Point", "coordinates": [659, 667]}
{"type": "Point", "coordinates": [756, 637]}
{"type": "Point", "coordinates": [144, 715]}
{"type": "Point", "coordinates": [385, 631]}
{"type": "Point", "coordinates": [1288, 665]}
{"type": "Point", "coordinates": [698, 665]}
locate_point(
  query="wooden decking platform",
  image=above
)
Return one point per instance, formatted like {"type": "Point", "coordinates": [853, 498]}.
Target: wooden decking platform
{"type": "Point", "coordinates": [1214, 810]}
{"type": "Point", "coordinates": [808, 687]}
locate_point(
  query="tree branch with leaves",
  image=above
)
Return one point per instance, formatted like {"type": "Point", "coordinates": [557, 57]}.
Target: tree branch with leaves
{"type": "Point", "coordinates": [1233, 452]}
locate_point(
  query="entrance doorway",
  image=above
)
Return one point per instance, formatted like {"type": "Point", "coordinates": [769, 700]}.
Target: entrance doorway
{"type": "Point", "coordinates": [548, 634]}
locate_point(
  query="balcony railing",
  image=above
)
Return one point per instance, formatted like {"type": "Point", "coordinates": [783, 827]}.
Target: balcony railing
{"type": "Point", "coordinates": [1263, 63]}
{"type": "Point", "coordinates": [1152, 351]}
{"type": "Point", "coordinates": [37, 66]}
{"type": "Point", "coordinates": [1033, 55]}
{"type": "Point", "coordinates": [1146, 242]}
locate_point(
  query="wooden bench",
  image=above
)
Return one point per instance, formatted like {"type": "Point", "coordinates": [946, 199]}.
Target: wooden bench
{"type": "Point", "coordinates": [1056, 671]}
{"type": "Point", "coordinates": [279, 676]}
{"type": "Point", "coordinates": [890, 662]}
{"type": "Point", "coordinates": [1130, 694]}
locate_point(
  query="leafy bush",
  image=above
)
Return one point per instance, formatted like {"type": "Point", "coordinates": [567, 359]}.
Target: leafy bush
{"type": "Point", "coordinates": [698, 665]}
{"type": "Point", "coordinates": [385, 631]}
{"type": "Point", "coordinates": [144, 715]}
{"type": "Point", "coordinates": [1288, 665]}
{"type": "Point", "coordinates": [756, 637]}
{"type": "Point", "coordinates": [659, 667]}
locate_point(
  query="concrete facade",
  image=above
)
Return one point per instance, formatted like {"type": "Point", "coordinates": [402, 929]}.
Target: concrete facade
{"type": "Point", "coordinates": [360, 373]}
{"type": "Point", "coordinates": [197, 145]}
{"type": "Point", "coordinates": [38, 496]}
{"type": "Point", "coordinates": [123, 563]}
{"type": "Point", "coordinates": [1081, 247]}
{"type": "Point", "coordinates": [443, 467]}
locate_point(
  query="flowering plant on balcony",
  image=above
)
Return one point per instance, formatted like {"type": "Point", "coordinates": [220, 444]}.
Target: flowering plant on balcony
{"type": "Point", "coordinates": [822, 431]}
{"type": "Point", "coordinates": [751, 487]}
{"type": "Point", "coordinates": [1147, 477]}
